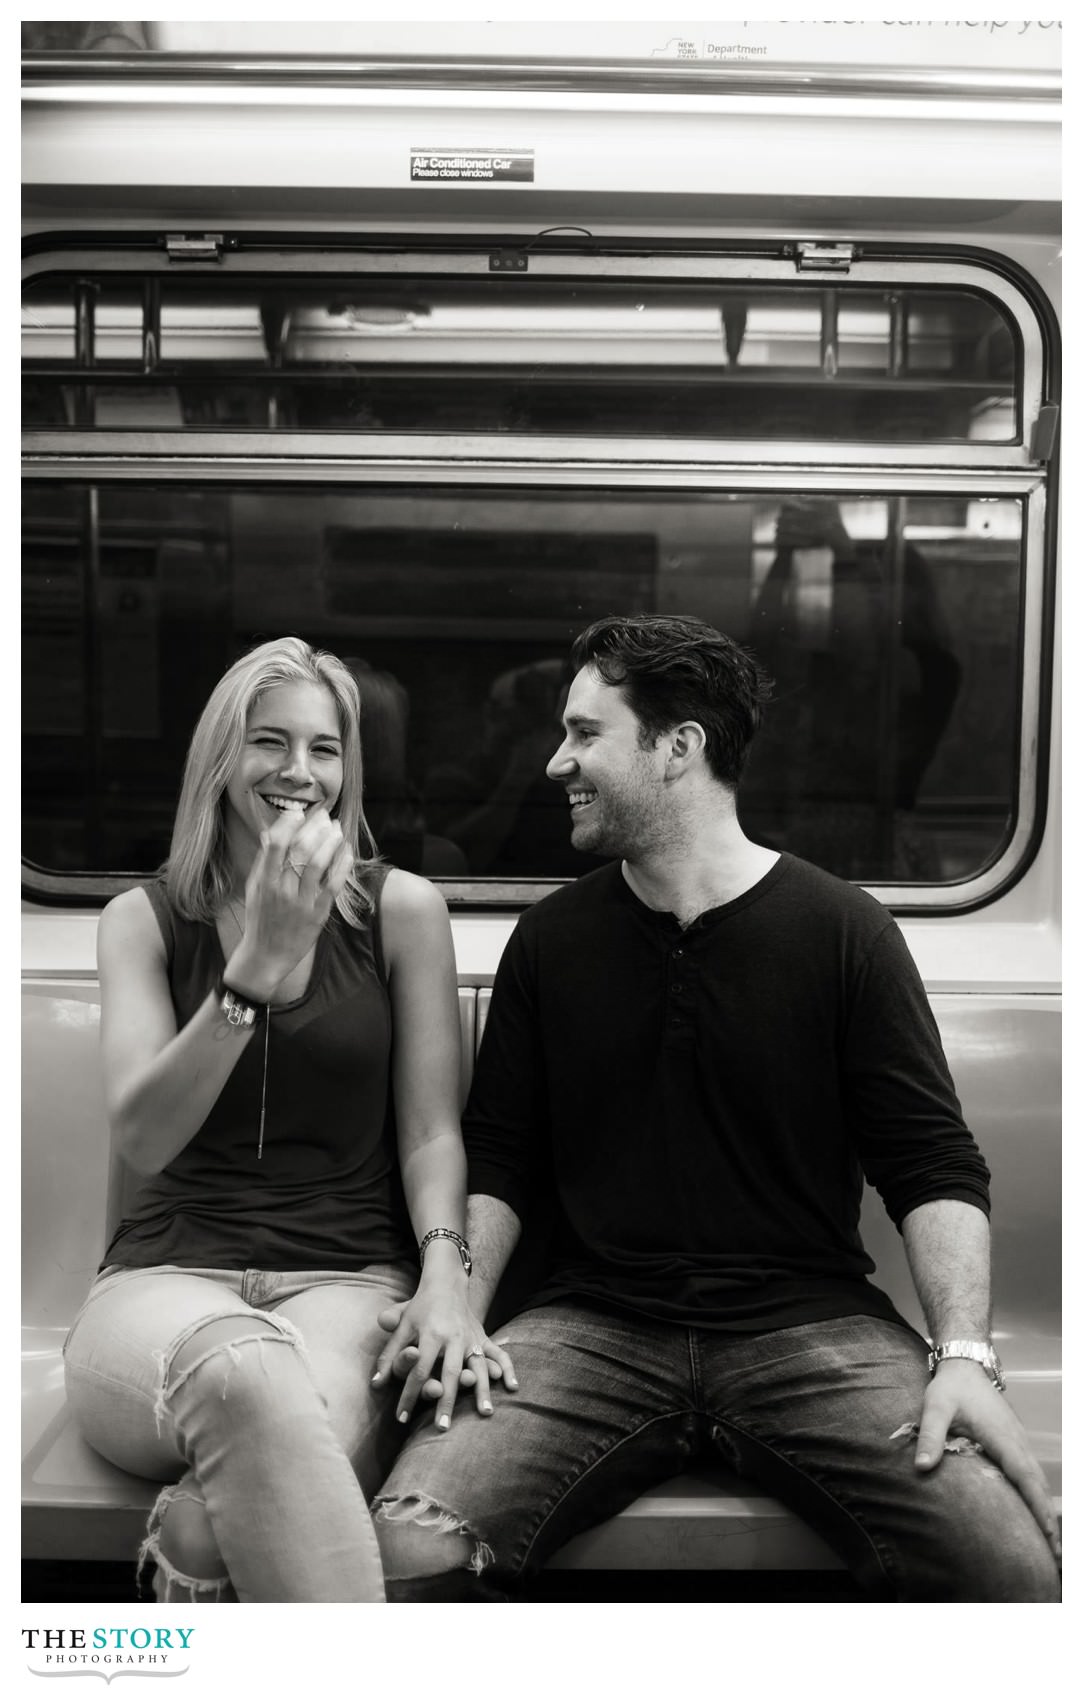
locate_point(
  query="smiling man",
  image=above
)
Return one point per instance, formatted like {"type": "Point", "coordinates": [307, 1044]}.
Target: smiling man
{"type": "Point", "coordinates": [709, 1046]}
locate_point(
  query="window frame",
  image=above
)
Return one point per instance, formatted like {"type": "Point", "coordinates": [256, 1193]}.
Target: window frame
{"type": "Point", "coordinates": [758, 467]}
{"type": "Point", "coordinates": [743, 267]}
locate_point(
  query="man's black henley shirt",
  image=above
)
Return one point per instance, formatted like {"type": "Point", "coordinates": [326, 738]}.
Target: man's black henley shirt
{"type": "Point", "coordinates": [707, 1100]}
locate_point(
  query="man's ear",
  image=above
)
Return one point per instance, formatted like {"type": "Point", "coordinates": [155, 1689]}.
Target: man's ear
{"type": "Point", "coordinates": [687, 742]}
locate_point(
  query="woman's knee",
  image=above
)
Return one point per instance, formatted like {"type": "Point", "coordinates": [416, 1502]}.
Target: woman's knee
{"type": "Point", "coordinates": [181, 1544]}
{"type": "Point", "coordinates": [186, 1539]}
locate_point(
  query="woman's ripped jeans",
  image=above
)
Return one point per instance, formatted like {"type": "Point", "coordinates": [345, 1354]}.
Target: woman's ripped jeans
{"type": "Point", "coordinates": [249, 1393]}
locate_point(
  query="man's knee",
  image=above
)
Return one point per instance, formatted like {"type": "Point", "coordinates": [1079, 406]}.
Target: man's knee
{"type": "Point", "coordinates": [419, 1539]}
{"type": "Point", "coordinates": [985, 1545]}
{"type": "Point", "coordinates": [1012, 1562]}
{"type": "Point", "coordinates": [453, 1587]}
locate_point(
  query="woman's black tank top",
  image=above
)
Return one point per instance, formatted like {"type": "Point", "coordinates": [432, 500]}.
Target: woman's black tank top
{"type": "Point", "coordinates": [326, 1193]}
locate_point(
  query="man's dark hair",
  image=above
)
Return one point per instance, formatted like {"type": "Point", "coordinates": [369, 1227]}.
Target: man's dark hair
{"type": "Point", "coordinates": [673, 667]}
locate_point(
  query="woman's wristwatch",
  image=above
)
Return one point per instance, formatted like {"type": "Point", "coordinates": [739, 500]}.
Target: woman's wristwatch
{"type": "Point", "coordinates": [978, 1351]}
{"type": "Point", "coordinates": [238, 1010]}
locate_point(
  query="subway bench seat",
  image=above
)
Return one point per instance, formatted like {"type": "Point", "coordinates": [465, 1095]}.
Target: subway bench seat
{"type": "Point", "coordinates": [75, 1506]}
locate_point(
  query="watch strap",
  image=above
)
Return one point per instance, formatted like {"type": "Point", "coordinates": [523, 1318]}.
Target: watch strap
{"type": "Point", "coordinates": [238, 1009]}
{"type": "Point", "coordinates": [978, 1351]}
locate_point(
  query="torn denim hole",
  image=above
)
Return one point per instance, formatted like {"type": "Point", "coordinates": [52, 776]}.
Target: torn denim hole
{"type": "Point", "coordinates": [427, 1514]}
{"type": "Point", "coordinates": [169, 1581]}
{"type": "Point", "coordinates": [282, 1332]}
{"type": "Point", "coordinates": [960, 1443]}
{"type": "Point", "coordinates": [172, 1586]}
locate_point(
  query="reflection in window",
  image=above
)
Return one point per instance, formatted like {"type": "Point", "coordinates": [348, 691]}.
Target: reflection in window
{"type": "Point", "coordinates": [889, 624]}
{"type": "Point", "coordinates": [882, 680]}
{"type": "Point", "coordinates": [583, 358]}
{"type": "Point", "coordinates": [87, 37]}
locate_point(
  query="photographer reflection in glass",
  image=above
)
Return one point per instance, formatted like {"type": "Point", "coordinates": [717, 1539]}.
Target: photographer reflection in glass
{"type": "Point", "coordinates": [498, 805]}
{"type": "Point", "coordinates": [855, 637]}
{"type": "Point", "coordinates": [393, 806]}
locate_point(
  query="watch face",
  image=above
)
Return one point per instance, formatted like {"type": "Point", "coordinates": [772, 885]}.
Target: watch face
{"type": "Point", "coordinates": [237, 1010]}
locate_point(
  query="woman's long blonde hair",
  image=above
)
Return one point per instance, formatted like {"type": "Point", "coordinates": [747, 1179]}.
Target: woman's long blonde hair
{"type": "Point", "coordinates": [198, 876]}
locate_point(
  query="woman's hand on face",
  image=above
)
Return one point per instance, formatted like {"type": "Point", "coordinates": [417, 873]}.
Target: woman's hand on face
{"type": "Point", "coordinates": [301, 867]}
{"type": "Point", "coordinates": [436, 1344]}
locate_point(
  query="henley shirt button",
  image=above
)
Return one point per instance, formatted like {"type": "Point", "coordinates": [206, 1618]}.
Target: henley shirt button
{"type": "Point", "coordinates": [677, 986]}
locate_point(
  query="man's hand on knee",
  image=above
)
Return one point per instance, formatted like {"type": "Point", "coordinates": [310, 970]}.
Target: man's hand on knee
{"type": "Point", "coordinates": [961, 1399]}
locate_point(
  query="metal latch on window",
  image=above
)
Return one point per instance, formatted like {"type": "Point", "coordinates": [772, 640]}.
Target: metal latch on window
{"type": "Point", "coordinates": [824, 256]}
{"type": "Point", "coordinates": [1044, 437]}
{"type": "Point", "coordinates": [180, 247]}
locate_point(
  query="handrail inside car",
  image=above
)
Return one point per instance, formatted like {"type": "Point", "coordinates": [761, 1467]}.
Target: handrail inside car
{"type": "Point", "coordinates": [627, 77]}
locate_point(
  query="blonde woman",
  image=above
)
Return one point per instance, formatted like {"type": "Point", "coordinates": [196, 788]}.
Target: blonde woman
{"type": "Point", "coordinates": [280, 1043]}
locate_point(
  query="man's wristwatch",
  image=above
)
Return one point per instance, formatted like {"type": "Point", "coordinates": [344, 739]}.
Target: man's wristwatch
{"type": "Point", "coordinates": [978, 1351]}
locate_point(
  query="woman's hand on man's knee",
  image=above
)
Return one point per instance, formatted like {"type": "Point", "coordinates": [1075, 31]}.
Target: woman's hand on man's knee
{"type": "Point", "coordinates": [478, 1371]}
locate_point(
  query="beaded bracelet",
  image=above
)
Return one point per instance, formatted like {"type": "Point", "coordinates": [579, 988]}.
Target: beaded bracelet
{"type": "Point", "coordinates": [447, 1234]}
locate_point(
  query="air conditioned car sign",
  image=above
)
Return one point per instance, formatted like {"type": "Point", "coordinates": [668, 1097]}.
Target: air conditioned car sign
{"type": "Point", "coordinates": [471, 165]}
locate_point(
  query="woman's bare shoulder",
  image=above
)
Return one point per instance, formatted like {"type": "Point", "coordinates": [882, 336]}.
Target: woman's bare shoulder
{"type": "Point", "coordinates": [409, 897]}
{"type": "Point", "coordinates": [128, 921]}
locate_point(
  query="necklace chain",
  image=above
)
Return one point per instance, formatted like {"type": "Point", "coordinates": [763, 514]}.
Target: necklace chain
{"type": "Point", "coordinates": [266, 1043]}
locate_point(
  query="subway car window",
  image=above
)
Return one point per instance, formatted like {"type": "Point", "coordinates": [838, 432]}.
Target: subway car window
{"type": "Point", "coordinates": [890, 623]}
{"type": "Point", "coordinates": [828, 362]}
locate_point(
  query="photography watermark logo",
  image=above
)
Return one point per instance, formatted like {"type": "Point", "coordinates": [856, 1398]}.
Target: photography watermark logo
{"type": "Point", "coordinates": [108, 1652]}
